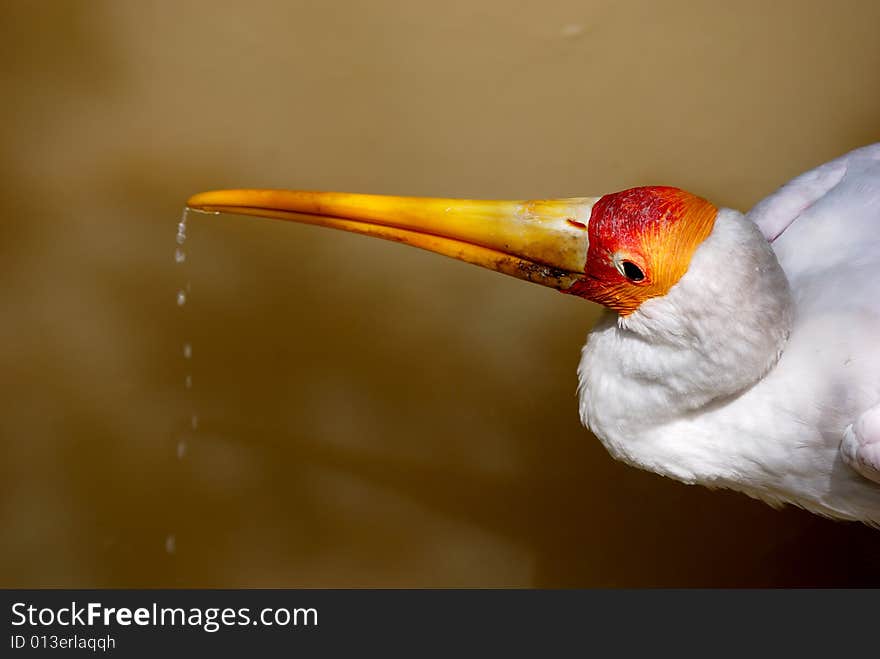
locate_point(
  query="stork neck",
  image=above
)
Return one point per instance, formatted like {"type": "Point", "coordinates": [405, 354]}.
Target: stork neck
{"type": "Point", "coordinates": [719, 330]}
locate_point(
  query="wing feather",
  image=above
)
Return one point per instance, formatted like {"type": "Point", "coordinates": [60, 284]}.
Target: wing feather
{"type": "Point", "coordinates": [775, 214]}
{"type": "Point", "coordinates": [826, 222]}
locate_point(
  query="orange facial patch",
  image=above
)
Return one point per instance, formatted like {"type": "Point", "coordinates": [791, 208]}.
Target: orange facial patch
{"type": "Point", "coordinates": [649, 231]}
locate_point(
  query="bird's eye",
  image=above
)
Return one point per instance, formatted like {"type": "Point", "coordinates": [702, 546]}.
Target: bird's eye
{"type": "Point", "coordinates": [631, 271]}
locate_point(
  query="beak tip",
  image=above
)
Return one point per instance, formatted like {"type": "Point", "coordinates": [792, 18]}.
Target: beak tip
{"type": "Point", "coordinates": [199, 200]}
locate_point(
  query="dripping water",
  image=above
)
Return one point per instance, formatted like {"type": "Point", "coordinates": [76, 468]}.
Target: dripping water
{"type": "Point", "coordinates": [182, 446]}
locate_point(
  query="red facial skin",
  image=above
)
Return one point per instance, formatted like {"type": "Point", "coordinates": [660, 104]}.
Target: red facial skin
{"type": "Point", "coordinates": [656, 228]}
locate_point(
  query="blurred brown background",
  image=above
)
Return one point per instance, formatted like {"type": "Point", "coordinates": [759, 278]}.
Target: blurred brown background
{"type": "Point", "coordinates": [368, 414]}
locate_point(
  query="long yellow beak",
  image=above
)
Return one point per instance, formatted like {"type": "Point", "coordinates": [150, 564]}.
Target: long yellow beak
{"type": "Point", "coordinates": [543, 241]}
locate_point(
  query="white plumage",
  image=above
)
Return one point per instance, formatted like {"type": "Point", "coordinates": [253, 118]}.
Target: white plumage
{"type": "Point", "coordinates": [759, 370]}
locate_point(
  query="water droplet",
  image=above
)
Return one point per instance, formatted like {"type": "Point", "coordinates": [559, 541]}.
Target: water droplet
{"type": "Point", "coordinates": [195, 421]}
{"type": "Point", "coordinates": [179, 255]}
{"type": "Point", "coordinates": [188, 382]}
{"type": "Point", "coordinates": [181, 449]}
{"type": "Point", "coordinates": [572, 30]}
{"type": "Point", "coordinates": [200, 211]}
{"type": "Point", "coordinates": [181, 238]}
{"type": "Point", "coordinates": [181, 298]}
{"type": "Point", "coordinates": [170, 543]}
{"type": "Point", "coordinates": [187, 351]}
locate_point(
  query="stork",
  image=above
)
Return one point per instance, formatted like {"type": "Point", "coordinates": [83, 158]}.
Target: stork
{"type": "Point", "coordinates": [737, 351]}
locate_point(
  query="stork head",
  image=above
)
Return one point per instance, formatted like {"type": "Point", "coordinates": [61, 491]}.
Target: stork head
{"type": "Point", "coordinates": [640, 244]}
{"type": "Point", "coordinates": [618, 250]}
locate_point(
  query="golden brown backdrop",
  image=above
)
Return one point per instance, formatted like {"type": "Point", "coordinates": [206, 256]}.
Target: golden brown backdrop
{"type": "Point", "coordinates": [371, 415]}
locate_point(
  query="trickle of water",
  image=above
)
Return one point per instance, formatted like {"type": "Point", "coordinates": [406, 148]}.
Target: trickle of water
{"type": "Point", "coordinates": [182, 446]}
{"type": "Point", "coordinates": [181, 229]}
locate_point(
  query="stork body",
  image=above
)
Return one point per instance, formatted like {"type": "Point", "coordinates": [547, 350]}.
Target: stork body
{"type": "Point", "coordinates": [739, 351]}
{"type": "Point", "coordinates": [760, 369]}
